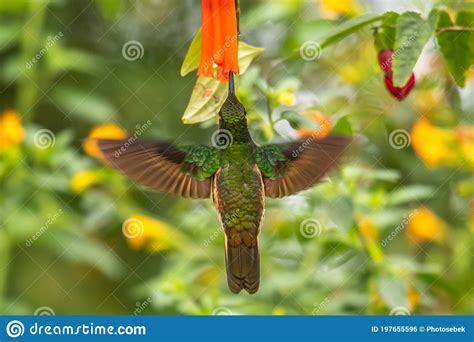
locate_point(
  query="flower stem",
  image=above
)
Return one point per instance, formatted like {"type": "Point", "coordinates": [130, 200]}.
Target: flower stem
{"type": "Point", "coordinates": [28, 82]}
{"type": "Point", "coordinates": [4, 262]}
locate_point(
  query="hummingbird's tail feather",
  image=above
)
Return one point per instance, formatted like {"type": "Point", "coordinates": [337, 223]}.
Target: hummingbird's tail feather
{"type": "Point", "coordinates": [243, 267]}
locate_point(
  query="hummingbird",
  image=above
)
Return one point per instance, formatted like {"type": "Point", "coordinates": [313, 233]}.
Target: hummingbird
{"type": "Point", "coordinates": [236, 172]}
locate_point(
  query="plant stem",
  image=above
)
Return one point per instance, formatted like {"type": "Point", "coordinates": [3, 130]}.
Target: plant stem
{"type": "Point", "coordinates": [4, 262]}
{"type": "Point", "coordinates": [237, 13]}
{"type": "Point", "coordinates": [29, 44]}
{"type": "Point", "coordinates": [455, 28]}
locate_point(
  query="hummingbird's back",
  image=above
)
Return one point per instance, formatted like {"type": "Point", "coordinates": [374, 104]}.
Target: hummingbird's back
{"type": "Point", "coordinates": [238, 196]}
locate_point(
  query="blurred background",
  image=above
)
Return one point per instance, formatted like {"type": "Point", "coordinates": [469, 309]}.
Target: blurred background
{"type": "Point", "coordinates": [390, 232]}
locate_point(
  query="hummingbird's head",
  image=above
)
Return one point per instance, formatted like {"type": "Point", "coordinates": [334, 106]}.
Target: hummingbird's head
{"type": "Point", "coordinates": [232, 109]}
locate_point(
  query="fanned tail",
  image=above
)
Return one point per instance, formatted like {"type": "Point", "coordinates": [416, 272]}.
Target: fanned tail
{"type": "Point", "coordinates": [243, 266]}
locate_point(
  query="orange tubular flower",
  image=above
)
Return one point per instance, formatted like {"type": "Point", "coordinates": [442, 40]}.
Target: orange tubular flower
{"type": "Point", "coordinates": [219, 43]}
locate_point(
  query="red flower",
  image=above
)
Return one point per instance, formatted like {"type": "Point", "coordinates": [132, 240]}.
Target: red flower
{"type": "Point", "coordinates": [385, 62]}
{"type": "Point", "coordinates": [219, 43]}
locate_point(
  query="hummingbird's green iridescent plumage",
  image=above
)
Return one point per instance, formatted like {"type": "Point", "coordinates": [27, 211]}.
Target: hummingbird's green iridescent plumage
{"type": "Point", "coordinates": [238, 174]}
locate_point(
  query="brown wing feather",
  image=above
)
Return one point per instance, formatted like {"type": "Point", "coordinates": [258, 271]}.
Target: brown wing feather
{"type": "Point", "coordinates": [309, 159]}
{"type": "Point", "coordinates": [156, 164]}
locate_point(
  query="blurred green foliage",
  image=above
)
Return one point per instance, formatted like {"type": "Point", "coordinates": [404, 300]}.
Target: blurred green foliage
{"type": "Point", "coordinates": [324, 251]}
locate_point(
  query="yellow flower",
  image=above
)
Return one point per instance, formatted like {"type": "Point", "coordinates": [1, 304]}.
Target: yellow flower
{"type": "Point", "coordinates": [428, 101]}
{"type": "Point", "coordinates": [278, 311]}
{"type": "Point", "coordinates": [11, 130]}
{"type": "Point", "coordinates": [286, 98]}
{"type": "Point", "coordinates": [209, 276]}
{"type": "Point", "coordinates": [83, 180]}
{"type": "Point", "coordinates": [424, 226]}
{"type": "Point", "coordinates": [413, 298]}
{"type": "Point", "coordinates": [470, 218]}
{"type": "Point", "coordinates": [145, 232]}
{"type": "Point", "coordinates": [323, 122]}
{"type": "Point", "coordinates": [464, 136]}
{"type": "Point", "coordinates": [367, 228]}
{"type": "Point", "coordinates": [431, 143]}
{"type": "Point", "coordinates": [370, 233]}
{"type": "Point", "coordinates": [107, 131]}
{"type": "Point", "coordinates": [375, 297]}
{"type": "Point", "coordinates": [356, 69]}
{"type": "Point", "coordinates": [337, 8]}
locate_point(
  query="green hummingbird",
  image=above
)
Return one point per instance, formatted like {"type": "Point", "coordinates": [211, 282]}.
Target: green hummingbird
{"type": "Point", "coordinates": [237, 173]}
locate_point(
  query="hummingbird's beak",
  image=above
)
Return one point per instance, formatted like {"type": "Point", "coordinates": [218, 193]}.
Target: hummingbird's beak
{"type": "Point", "coordinates": [231, 83]}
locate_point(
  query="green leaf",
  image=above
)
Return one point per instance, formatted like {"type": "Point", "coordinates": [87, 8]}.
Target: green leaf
{"type": "Point", "coordinates": [385, 35]}
{"type": "Point", "coordinates": [297, 120]}
{"type": "Point", "coordinates": [455, 45]}
{"type": "Point", "coordinates": [466, 19]}
{"type": "Point", "coordinates": [111, 9]}
{"type": "Point", "coordinates": [206, 99]}
{"type": "Point", "coordinates": [60, 59]}
{"type": "Point", "coordinates": [9, 34]}
{"type": "Point", "coordinates": [411, 193]}
{"type": "Point", "coordinates": [393, 291]}
{"type": "Point", "coordinates": [350, 26]}
{"type": "Point", "coordinates": [81, 249]}
{"type": "Point", "coordinates": [209, 94]}
{"type": "Point", "coordinates": [387, 175]}
{"type": "Point", "coordinates": [84, 105]}
{"type": "Point", "coordinates": [412, 33]}
{"type": "Point", "coordinates": [191, 61]}
{"type": "Point", "coordinates": [343, 126]}
{"type": "Point", "coordinates": [340, 212]}
{"type": "Point", "coordinates": [247, 53]}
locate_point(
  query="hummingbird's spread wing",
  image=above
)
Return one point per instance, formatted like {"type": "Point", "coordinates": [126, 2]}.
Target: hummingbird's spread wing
{"type": "Point", "coordinates": [295, 166]}
{"type": "Point", "coordinates": [185, 171]}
